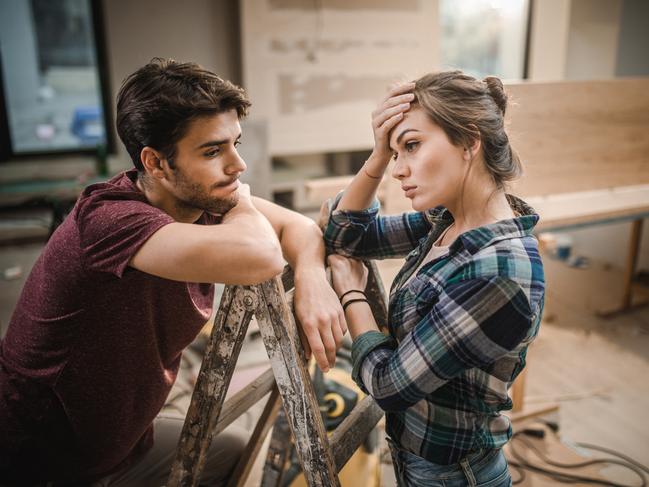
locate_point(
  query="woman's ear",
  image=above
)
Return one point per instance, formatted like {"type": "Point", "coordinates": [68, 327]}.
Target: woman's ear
{"type": "Point", "coordinates": [475, 144]}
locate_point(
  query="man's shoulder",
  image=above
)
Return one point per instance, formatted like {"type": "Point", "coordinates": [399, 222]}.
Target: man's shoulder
{"type": "Point", "coordinates": [116, 198]}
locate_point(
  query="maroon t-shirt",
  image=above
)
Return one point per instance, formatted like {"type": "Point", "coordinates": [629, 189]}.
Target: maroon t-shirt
{"type": "Point", "coordinates": [94, 345]}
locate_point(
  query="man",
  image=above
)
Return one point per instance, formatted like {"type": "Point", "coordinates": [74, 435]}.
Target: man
{"type": "Point", "coordinates": [124, 284]}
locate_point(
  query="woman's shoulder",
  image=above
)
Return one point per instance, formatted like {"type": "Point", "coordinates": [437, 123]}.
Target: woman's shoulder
{"type": "Point", "coordinates": [515, 259]}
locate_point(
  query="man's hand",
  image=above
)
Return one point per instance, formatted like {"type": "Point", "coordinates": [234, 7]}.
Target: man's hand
{"type": "Point", "coordinates": [320, 317]}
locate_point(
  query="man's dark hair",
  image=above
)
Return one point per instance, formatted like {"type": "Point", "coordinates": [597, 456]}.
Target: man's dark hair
{"type": "Point", "coordinates": [156, 104]}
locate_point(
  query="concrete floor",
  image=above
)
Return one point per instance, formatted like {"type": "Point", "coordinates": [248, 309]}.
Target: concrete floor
{"type": "Point", "coordinates": [597, 369]}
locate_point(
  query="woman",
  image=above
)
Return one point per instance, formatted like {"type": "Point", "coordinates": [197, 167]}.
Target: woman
{"type": "Point", "coordinates": [468, 300]}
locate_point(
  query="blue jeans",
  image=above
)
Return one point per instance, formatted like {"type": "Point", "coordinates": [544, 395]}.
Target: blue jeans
{"type": "Point", "coordinates": [486, 468]}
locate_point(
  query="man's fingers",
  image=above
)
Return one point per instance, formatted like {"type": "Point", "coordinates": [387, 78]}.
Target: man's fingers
{"type": "Point", "coordinates": [318, 349]}
{"type": "Point", "coordinates": [305, 343]}
{"type": "Point", "coordinates": [329, 343]}
{"type": "Point", "coordinates": [336, 331]}
{"type": "Point", "coordinates": [342, 321]}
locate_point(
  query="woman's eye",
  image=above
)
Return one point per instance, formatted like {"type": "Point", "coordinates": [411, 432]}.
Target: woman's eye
{"type": "Point", "coordinates": [410, 146]}
{"type": "Point", "coordinates": [237, 143]}
{"type": "Point", "coordinates": [394, 156]}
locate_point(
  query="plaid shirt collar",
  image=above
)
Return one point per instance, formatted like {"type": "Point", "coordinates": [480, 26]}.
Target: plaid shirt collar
{"type": "Point", "coordinates": [481, 237]}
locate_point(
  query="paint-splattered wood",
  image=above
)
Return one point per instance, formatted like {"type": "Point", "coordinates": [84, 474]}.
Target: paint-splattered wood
{"type": "Point", "coordinates": [237, 307]}
{"type": "Point", "coordinates": [243, 400]}
{"type": "Point", "coordinates": [265, 422]}
{"type": "Point", "coordinates": [376, 295]}
{"type": "Point", "coordinates": [351, 433]}
{"type": "Point", "coordinates": [278, 451]}
{"type": "Point", "coordinates": [280, 335]}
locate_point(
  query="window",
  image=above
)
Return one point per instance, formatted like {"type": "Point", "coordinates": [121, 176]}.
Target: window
{"type": "Point", "coordinates": [485, 37]}
{"type": "Point", "coordinates": [51, 84]}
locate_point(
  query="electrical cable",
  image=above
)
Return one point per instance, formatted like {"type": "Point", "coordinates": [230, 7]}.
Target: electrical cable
{"type": "Point", "coordinates": [520, 464]}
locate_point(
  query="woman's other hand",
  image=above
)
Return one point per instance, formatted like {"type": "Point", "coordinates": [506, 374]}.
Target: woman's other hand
{"type": "Point", "coordinates": [386, 116]}
{"type": "Point", "coordinates": [347, 274]}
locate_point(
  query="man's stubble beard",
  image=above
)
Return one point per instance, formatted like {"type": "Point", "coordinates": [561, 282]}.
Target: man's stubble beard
{"type": "Point", "coordinates": [194, 197]}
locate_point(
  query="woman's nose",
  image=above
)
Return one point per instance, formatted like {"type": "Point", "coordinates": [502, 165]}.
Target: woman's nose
{"type": "Point", "coordinates": [399, 170]}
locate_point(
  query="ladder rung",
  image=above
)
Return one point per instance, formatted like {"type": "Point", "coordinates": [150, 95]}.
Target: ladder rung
{"type": "Point", "coordinates": [351, 433]}
{"type": "Point", "coordinates": [247, 397]}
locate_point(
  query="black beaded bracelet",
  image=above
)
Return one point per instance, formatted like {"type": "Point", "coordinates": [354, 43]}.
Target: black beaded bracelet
{"type": "Point", "coordinates": [351, 291]}
{"type": "Point", "coordinates": [357, 300]}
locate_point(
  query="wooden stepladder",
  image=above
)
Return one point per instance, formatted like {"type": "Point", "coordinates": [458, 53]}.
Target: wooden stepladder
{"type": "Point", "coordinates": [288, 382]}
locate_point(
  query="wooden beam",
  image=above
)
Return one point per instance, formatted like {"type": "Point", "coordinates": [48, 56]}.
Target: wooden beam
{"type": "Point", "coordinates": [237, 307]}
{"type": "Point", "coordinates": [280, 334]}
{"type": "Point", "coordinates": [265, 422]}
{"type": "Point", "coordinates": [353, 431]}
{"type": "Point", "coordinates": [243, 400]}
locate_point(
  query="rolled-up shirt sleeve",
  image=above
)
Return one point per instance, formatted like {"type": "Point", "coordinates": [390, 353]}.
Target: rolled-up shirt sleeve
{"type": "Point", "coordinates": [473, 323]}
{"type": "Point", "coordinates": [367, 235]}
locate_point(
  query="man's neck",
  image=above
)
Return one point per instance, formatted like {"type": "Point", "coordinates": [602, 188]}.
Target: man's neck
{"type": "Point", "coordinates": [162, 199]}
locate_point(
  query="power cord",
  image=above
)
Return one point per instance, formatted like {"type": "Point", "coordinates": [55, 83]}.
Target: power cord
{"type": "Point", "coordinates": [520, 465]}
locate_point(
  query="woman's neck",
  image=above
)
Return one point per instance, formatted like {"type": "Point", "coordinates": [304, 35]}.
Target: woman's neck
{"type": "Point", "coordinates": [477, 209]}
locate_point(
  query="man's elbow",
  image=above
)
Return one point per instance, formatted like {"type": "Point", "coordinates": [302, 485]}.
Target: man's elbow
{"type": "Point", "coordinates": [267, 263]}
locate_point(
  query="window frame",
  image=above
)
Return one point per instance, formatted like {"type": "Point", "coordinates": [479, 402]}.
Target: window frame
{"type": "Point", "coordinates": [7, 152]}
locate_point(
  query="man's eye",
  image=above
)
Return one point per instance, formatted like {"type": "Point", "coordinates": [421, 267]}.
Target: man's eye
{"type": "Point", "coordinates": [212, 153]}
{"type": "Point", "coordinates": [237, 143]}
{"type": "Point", "coordinates": [394, 156]}
{"type": "Point", "coordinates": [410, 146]}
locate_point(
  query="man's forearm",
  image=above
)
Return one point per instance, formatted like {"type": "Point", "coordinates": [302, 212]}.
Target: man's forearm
{"type": "Point", "coordinates": [303, 247]}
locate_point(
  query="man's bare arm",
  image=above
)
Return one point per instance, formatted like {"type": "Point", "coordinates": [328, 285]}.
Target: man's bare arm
{"type": "Point", "coordinates": [316, 304]}
{"type": "Point", "coordinates": [243, 249]}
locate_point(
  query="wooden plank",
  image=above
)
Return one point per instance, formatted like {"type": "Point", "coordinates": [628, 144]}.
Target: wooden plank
{"type": "Point", "coordinates": [237, 307]}
{"type": "Point", "coordinates": [580, 135]}
{"type": "Point", "coordinates": [354, 429]}
{"type": "Point", "coordinates": [265, 422]}
{"type": "Point", "coordinates": [570, 210]}
{"type": "Point", "coordinates": [280, 335]}
{"type": "Point", "coordinates": [243, 400]}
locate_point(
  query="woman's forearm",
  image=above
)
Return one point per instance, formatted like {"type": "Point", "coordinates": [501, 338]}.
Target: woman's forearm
{"type": "Point", "coordinates": [362, 190]}
{"type": "Point", "coordinates": [359, 319]}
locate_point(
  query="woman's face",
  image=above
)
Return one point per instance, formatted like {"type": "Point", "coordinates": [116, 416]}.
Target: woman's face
{"type": "Point", "coordinates": [429, 167]}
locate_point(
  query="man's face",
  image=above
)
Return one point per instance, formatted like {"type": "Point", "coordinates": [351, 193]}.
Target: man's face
{"type": "Point", "coordinates": [207, 164]}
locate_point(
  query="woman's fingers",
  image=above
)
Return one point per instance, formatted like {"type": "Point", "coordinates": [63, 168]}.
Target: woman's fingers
{"type": "Point", "coordinates": [394, 101]}
{"type": "Point", "coordinates": [388, 113]}
{"type": "Point", "coordinates": [399, 89]}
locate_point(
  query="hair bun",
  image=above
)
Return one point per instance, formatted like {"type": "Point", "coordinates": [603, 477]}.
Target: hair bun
{"type": "Point", "coordinates": [497, 92]}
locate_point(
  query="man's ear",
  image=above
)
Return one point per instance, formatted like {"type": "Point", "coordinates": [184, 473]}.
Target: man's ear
{"type": "Point", "coordinates": [152, 162]}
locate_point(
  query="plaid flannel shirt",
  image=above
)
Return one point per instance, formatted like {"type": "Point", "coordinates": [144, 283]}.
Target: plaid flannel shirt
{"type": "Point", "coordinates": [459, 329]}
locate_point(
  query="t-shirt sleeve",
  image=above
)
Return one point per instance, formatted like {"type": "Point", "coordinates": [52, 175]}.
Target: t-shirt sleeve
{"type": "Point", "coordinates": [111, 231]}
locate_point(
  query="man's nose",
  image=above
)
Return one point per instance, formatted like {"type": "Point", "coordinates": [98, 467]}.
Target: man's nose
{"type": "Point", "coordinates": [235, 164]}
